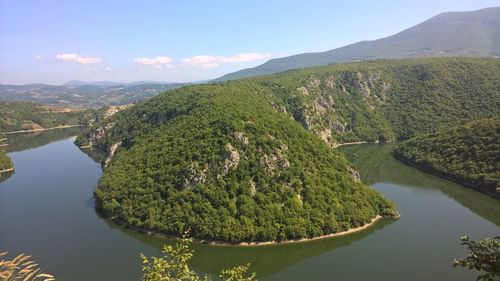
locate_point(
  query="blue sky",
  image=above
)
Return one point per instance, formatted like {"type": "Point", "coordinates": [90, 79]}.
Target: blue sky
{"type": "Point", "coordinates": [57, 41]}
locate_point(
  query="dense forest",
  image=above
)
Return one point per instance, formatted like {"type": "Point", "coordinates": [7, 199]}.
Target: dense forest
{"type": "Point", "coordinates": [251, 160]}
{"type": "Point", "coordinates": [386, 100]}
{"type": "Point", "coordinates": [16, 116]}
{"type": "Point", "coordinates": [467, 153]}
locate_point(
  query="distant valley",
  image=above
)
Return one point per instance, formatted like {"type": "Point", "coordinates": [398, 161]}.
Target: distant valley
{"type": "Point", "coordinates": [84, 95]}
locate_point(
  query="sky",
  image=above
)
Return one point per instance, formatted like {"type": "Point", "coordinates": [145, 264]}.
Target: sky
{"type": "Point", "coordinates": [53, 42]}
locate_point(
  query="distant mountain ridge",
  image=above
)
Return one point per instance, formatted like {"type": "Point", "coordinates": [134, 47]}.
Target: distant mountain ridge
{"type": "Point", "coordinates": [472, 33]}
{"type": "Point", "coordinates": [83, 94]}
{"type": "Point", "coordinates": [111, 83]}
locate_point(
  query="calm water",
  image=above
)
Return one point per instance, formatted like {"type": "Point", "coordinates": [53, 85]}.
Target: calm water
{"type": "Point", "coordinates": [46, 209]}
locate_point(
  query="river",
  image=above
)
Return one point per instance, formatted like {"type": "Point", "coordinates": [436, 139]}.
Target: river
{"type": "Point", "coordinates": [46, 210]}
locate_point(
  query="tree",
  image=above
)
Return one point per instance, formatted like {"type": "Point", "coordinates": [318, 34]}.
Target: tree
{"type": "Point", "coordinates": [484, 256]}
{"type": "Point", "coordinates": [174, 266]}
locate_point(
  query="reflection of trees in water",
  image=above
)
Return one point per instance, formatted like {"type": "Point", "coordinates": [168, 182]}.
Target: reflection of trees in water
{"type": "Point", "coordinates": [96, 155]}
{"type": "Point", "coordinates": [264, 260]}
{"type": "Point", "coordinates": [5, 176]}
{"type": "Point", "coordinates": [24, 141]}
{"type": "Point", "coordinates": [376, 165]}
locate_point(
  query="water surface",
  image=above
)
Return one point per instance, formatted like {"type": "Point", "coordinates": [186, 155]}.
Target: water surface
{"type": "Point", "coordinates": [46, 209]}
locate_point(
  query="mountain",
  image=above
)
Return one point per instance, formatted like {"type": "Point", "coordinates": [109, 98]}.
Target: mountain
{"type": "Point", "coordinates": [83, 94]}
{"type": "Point", "coordinates": [467, 153]}
{"type": "Point", "coordinates": [475, 33]}
{"type": "Point", "coordinates": [252, 159]}
{"type": "Point", "coordinates": [98, 83]}
{"type": "Point", "coordinates": [111, 83]}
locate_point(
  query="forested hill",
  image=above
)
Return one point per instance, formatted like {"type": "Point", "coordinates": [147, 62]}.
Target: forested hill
{"type": "Point", "coordinates": [469, 154]}
{"type": "Point", "coordinates": [385, 100]}
{"type": "Point", "coordinates": [220, 162]}
{"type": "Point", "coordinates": [16, 116]}
{"type": "Point", "coordinates": [473, 33]}
{"type": "Point", "coordinates": [251, 160]}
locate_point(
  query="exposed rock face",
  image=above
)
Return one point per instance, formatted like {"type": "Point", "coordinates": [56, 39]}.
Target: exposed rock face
{"type": "Point", "coordinates": [231, 158]}
{"type": "Point", "coordinates": [307, 120]}
{"type": "Point", "coordinates": [111, 153]}
{"type": "Point", "coordinates": [314, 83]}
{"type": "Point", "coordinates": [318, 112]}
{"type": "Point", "coordinates": [303, 91]}
{"type": "Point", "coordinates": [99, 133]}
{"type": "Point", "coordinates": [194, 176]}
{"type": "Point", "coordinates": [325, 135]}
{"type": "Point", "coordinates": [330, 82]}
{"type": "Point", "coordinates": [275, 162]}
{"type": "Point", "coordinates": [385, 89]}
{"type": "Point", "coordinates": [355, 174]}
{"type": "Point", "coordinates": [278, 107]}
{"type": "Point", "coordinates": [253, 187]}
{"type": "Point", "coordinates": [114, 109]}
{"type": "Point", "coordinates": [239, 136]}
{"type": "Point", "coordinates": [322, 106]}
{"type": "Point", "coordinates": [337, 127]}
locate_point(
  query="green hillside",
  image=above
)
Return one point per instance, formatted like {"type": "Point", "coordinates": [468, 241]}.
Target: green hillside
{"type": "Point", "coordinates": [472, 33]}
{"type": "Point", "coordinates": [385, 100]}
{"type": "Point", "coordinates": [469, 154]}
{"type": "Point", "coordinates": [15, 116]}
{"type": "Point", "coordinates": [251, 160]}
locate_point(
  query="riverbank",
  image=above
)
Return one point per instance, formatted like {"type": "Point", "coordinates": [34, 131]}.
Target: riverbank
{"type": "Point", "coordinates": [43, 129]}
{"type": "Point", "coordinates": [358, 142]}
{"type": "Point", "coordinates": [7, 170]}
{"type": "Point", "coordinates": [255, 244]}
{"type": "Point", "coordinates": [445, 176]}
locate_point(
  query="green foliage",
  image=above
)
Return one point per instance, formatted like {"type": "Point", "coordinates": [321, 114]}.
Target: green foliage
{"type": "Point", "coordinates": [468, 153]}
{"type": "Point", "coordinates": [387, 100]}
{"type": "Point", "coordinates": [5, 161]}
{"type": "Point", "coordinates": [174, 266]}
{"type": "Point", "coordinates": [242, 160]}
{"type": "Point", "coordinates": [16, 116]}
{"type": "Point", "coordinates": [483, 256]}
{"type": "Point", "coordinates": [237, 274]}
{"type": "Point", "coordinates": [226, 166]}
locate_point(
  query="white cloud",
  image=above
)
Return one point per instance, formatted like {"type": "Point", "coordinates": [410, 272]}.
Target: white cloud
{"type": "Point", "coordinates": [215, 61]}
{"type": "Point", "coordinates": [156, 62]}
{"type": "Point", "coordinates": [78, 58]}
{"type": "Point", "coordinates": [98, 69]}
{"type": "Point", "coordinates": [38, 57]}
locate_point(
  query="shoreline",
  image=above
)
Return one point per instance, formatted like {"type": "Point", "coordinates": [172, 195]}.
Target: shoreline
{"type": "Point", "coordinates": [7, 170]}
{"type": "Point", "coordinates": [358, 142]}
{"type": "Point", "coordinates": [43, 129]}
{"type": "Point", "coordinates": [256, 244]}
{"type": "Point", "coordinates": [444, 176]}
